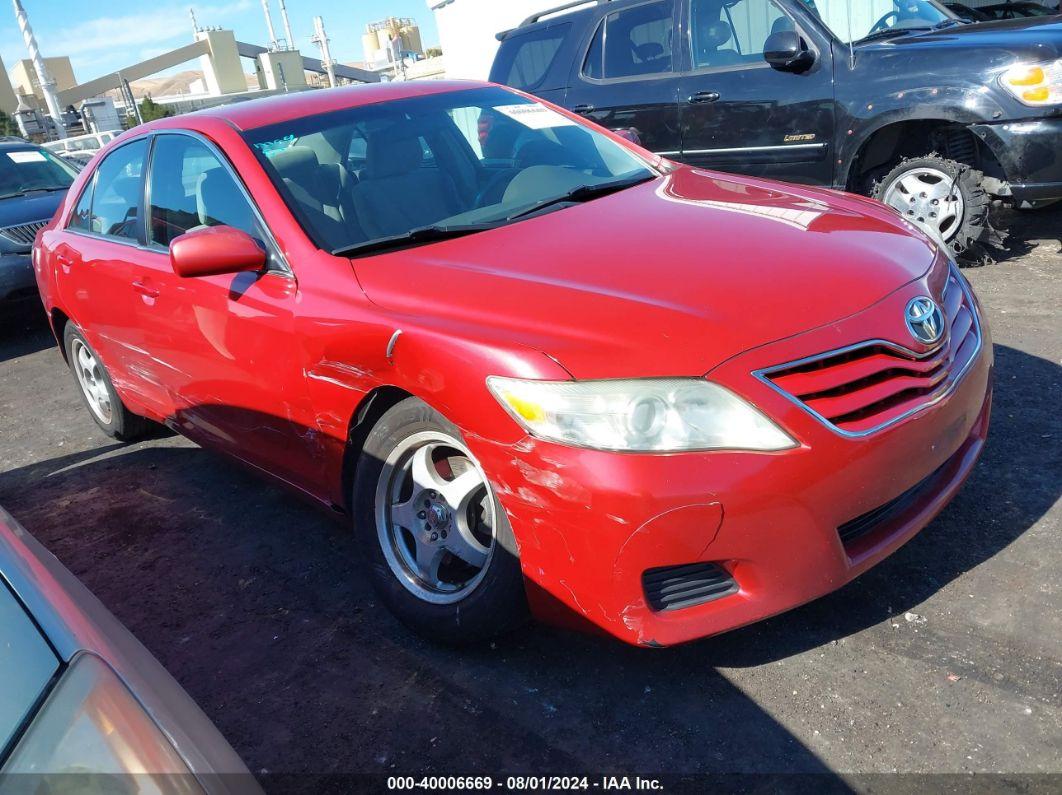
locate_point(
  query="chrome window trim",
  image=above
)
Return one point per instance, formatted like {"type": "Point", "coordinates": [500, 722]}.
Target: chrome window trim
{"type": "Point", "coordinates": [763, 373]}
{"type": "Point", "coordinates": [726, 150]}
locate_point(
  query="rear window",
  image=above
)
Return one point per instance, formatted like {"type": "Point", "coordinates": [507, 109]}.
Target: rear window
{"type": "Point", "coordinates": [523, 61]}
{"type": "Point", "coordinates": [632, 42]}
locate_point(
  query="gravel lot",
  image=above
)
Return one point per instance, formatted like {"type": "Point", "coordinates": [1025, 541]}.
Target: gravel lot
{"type": "Point", "coordinates": [947, 658]}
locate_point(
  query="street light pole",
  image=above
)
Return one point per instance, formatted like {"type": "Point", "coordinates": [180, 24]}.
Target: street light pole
{"type": "Point", "coordinates": [44, 77]}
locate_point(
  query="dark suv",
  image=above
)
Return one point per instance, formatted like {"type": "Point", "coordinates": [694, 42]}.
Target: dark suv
{"type": "Point", "coordinates": [896, 99]}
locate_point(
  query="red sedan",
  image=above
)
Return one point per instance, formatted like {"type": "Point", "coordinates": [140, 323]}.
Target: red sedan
{"type": "Point", "coordinates": [534, 363]}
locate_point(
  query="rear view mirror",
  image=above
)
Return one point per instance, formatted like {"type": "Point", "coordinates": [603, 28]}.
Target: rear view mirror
{"type": "Point", "coordinates": [213, 250]}
{"type": "Point", "coordinates": [784, 50]}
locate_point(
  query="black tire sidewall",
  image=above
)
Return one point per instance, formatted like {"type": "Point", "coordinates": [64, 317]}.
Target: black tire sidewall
{"type": "Point", "coordinates": [496, 605]}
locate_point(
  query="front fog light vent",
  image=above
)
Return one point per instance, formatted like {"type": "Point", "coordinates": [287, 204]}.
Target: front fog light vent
{"type": "Point", "coordinates": [675, 587]}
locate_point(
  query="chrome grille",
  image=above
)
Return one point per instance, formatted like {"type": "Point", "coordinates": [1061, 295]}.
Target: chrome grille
{"type": "Point", "coordinates": [866, 387]}
{"type": "Point", "coordinates": [23, 234]}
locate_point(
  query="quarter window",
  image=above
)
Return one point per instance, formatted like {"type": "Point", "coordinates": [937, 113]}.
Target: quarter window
{"type": "Point", "coordinates": [190, 188]}
{"type": "Point", "coordinates": [531, 55]}
{"type": "Point", "coordinates": [632, 42]}
{"type": "Point", "coordinates": [111, 205]}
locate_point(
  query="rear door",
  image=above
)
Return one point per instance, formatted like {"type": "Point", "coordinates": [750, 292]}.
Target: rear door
{"type": "Point", "coordinates": [740, 114]}
{"type": "Point", "coordinates": [95, 257]}
{"type": "Point", "coordinates": [624, 74]}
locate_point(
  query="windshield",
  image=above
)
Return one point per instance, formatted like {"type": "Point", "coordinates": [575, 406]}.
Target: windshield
{"type": "Point", "coordinates": [24, 170]}
{"type": "Point", "coordinates": [854, 20]}
{"type": "Point", "coordinates": [457, 161]}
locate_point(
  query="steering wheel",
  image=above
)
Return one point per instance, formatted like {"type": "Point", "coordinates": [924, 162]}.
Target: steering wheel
{"type": "Point", "coordinates": [492, 185]}
{"type": "Point", "coordinates": [881, 23]}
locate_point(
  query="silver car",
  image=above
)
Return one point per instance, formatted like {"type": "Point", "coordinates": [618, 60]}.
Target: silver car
{"type": "Point", "coordinates": [84, 707]}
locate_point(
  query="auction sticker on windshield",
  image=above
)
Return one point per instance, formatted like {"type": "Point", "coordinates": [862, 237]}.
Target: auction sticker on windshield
{"type": "Point", "coordinates": [26, 157]}
{"type": "Point", "coordinates": [535, 116]}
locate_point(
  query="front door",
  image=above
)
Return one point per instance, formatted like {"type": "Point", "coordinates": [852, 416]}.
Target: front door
{"type": "Point", "coordinates": [223, 345]}
{"type": "Point", "coordinates": [740, 114]}
{"type": "Point", "coordinates": [626, 79]}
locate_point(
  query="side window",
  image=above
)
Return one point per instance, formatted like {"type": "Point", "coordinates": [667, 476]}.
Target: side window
{"type": "Point", "coordinates": [81, 218]}
{"type": "Point", "coordinates": [632, 42]}
{"type": "Point", "coordinates": [526, 59]}
{"type": "Point", "coordinates": [111, 207]}
{"type": "Point", "coordinates": [189, 188]}
{"type": "Point", "coordinates": [731, 34]}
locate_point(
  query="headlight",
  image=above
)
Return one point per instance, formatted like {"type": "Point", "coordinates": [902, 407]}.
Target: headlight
{"type": "Point", "coordinates": [657, 414]}
{"type": "Point", "coordinates": [1039, 84]}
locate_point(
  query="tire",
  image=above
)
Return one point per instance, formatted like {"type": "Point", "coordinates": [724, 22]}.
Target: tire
{"type": "Point", "coordinates": [960, 217]}
{"type": "Point", "coordinates": [97, 391]}
{"type": "Point", "coordinates": [429, 574]}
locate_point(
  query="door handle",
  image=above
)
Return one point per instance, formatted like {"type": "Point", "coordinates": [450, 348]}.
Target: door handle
{"type": "Point", "coordinates": [703, 97]}
{"type": "Point", "coordinates": [145, 290]}
{"type": "Point", "coordinates": [582, 110]}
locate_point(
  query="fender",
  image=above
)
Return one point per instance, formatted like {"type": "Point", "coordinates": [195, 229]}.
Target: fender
{"type": "Point", "coordinates": [966, 105]}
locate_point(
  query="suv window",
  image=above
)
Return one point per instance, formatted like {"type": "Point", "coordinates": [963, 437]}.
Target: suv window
{"type": "Point", "coordinates": [634, 41]}
{"type": "Point", "coordinates": [524, 61]}
{"type": "Point", "coordinates": [728, 33]}
{"type": "Point", "coordinates": [190, 187]}
{"type": "Point", "coordinates": [111, 204]}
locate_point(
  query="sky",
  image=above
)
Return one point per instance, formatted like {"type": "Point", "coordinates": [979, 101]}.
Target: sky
{"type": "Point", "coordinates": [106, 35]}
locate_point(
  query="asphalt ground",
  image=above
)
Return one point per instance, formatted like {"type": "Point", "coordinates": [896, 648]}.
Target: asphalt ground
{"type": "Point", "coordinates": [945, 659]}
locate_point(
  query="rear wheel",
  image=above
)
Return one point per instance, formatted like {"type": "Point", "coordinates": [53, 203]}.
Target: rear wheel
{"type": "Point", "coordinates": [943, 197]}
{"type": "Point", "coordinates": [442, 554]}
{"type": "Point", "coordinates": [94, 383]}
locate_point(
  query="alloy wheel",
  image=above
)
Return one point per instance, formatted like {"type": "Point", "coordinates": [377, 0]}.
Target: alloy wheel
{"type": "Point", "coordinates": [435, 517]}
{"type": "Point", "coordinates": [928, 198]}
{"type": "Point", "coordinates": [93, 384]}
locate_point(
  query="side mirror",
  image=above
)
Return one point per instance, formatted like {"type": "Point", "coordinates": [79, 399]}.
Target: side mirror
{"type": "Point", "coordinates": [213, 250]}
{"type": "Point", "coordinates": [784, 51]}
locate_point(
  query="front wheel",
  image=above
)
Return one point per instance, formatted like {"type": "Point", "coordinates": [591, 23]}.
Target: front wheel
{"type": "Point", "coordinates": [441, 552]}
{"type": "Point", "coordinates": [942, 197]}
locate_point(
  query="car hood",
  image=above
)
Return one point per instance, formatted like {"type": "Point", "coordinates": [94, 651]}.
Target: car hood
{"type": "Point", "coordinates": [670, 277]}
{"type": "Point", "coordinates": [1039, 37]}
{"type": "Point", "coordinates": [35, 206]}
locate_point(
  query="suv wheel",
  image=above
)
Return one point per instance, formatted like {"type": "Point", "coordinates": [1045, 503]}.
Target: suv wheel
{"type": "Point", "coordinates": [442, 555]}
{"type": "Point", "coordinates": [97, 390]}
{"type": "Point", "coordinates": [943, 197]}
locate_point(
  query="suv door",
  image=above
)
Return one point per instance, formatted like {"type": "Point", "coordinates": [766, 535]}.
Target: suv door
{"type": "Point", "coordinates": [625, 78]}
{"type": "Point", "coordinates": [224, 345]}
{"type": "Point", "coordinates": [741, 114]}
{"type": "Point", "coordinates": [95, 259]}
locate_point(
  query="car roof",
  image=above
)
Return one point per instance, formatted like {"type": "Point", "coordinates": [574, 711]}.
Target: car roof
{"type": "Point", "coordinates": [285, 107]}
{"type": "Point", "coordinates": [4, 145]}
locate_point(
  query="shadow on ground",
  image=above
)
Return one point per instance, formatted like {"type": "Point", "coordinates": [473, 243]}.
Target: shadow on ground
{"type": "Point", "coordinates": [1026, 228]}
{"type": "Point", "coordinates": [255, 602]}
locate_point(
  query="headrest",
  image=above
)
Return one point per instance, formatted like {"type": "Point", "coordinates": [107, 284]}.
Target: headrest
{"type": "Point", "coordinates": [717, 33]}
{"type": "Point", "coordinates": [297, 163]}
{"type": "Point", "coordinates": [219, 201]}
{"type": "Point", "coordinates": [392, 152]}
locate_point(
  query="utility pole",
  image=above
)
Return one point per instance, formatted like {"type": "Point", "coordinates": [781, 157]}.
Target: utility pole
{"type": "Point", "coordinates": [320, 38]}
{"type": "Point", "coordinates": [44, 77]}
{"type": "Point", "coordinates": [287, 26]}
{"type": "Point", "coordinates": [269, 24]}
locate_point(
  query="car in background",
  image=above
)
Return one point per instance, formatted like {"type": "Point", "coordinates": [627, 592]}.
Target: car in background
{"type": "Point", "coordinates": [1017, 10]}
{"type": "Point", "coordinates": [967, 13]}
{"type": "Point", "coordinates": [83, 701]}
{"type": "Point", "coordinates": [81, 148]}
{"type": "Point", "coordinates": [565, 371]}
{"type": "Point", "coordinates": [33, 182]}
{"type": "Point", "coordinates": [819, 92]}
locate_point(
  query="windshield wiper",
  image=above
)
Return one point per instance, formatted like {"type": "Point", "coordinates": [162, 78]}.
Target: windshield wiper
{"type": "Point", "coordinates": [890, 32]}
{"type": "Point", "coordinates": [582, 193]}
{"type": "Point", "coordinates": [422, 234]}
{"type": "Point", "coordinates": [48, 189]}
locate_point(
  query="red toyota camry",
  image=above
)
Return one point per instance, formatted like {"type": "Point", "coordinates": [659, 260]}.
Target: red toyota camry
{"type": "Point", "coordinates": [536, 365]}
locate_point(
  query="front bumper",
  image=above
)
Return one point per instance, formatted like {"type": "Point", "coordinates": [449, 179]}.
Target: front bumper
{"type": "Point", "coordinates": [17, 280]}
{"type": "Point", "coordinates": [590, 524]}
{"type": "Point", "coordinates": [1030, 152]}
